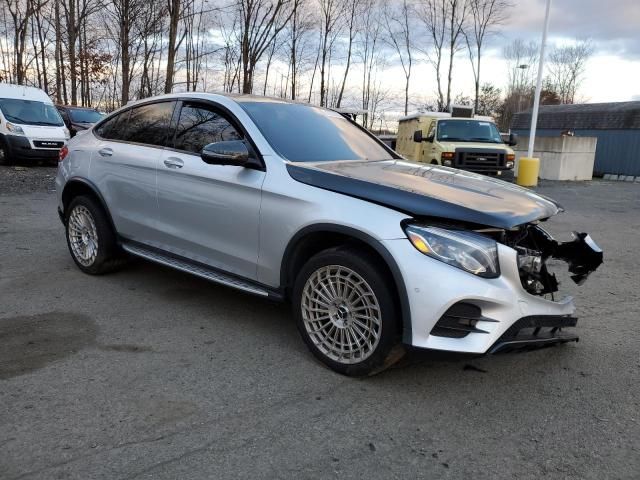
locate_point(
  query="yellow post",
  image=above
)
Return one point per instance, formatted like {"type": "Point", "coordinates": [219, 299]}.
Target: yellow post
{"type": "Point", "coordinates": [528, 169]}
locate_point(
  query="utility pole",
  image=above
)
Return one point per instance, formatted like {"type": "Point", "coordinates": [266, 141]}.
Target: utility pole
{"type": "Point", "coordinates": [536, 98]}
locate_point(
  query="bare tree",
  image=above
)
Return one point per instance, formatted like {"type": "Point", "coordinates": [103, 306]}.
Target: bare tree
{"type": "Point", "coordinates": [522, 64]}
{"type": "Point", "coordinates": [300, 25]}
{"type": "Point", "coordinates": [174, 10]}
{"type": "Point", "coordinates": [260, 23]}
{"type": "Point", "coordinates": [458, 11]}
{"type": "Point", "coordinates": [126, 16]}
{"type": "Point", "coordinates": [20, 12]}
{"type": "Point", "coordinates": [485, 16]}
{"type": "Point", "coordinates": [75, 13]}
{"type": "Point", "coordinates": [370, 54]}
{"type": "Point", "coordinates": [434, 14]}
{"type": "Point", "coordinates": [566, 67]}
{"type": "Point", "coordinates": [331, 12]}
{"type": "Point", "coordinates": [400, 37]}
{"type": "Point", "coordinates": [353, 11]}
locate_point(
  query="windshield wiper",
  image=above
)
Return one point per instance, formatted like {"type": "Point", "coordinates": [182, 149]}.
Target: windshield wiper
{"type": "Point", "coordinates": [11, 118]}
{"type": "Point", "coordinates": [22, 121]}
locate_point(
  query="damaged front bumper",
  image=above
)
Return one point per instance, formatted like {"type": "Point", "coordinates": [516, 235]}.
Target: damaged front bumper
{"type": "Point", "coordinates": [457, 311]}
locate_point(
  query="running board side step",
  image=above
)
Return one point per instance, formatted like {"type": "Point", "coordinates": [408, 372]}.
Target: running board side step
{"type": "Point", "coordinates": [193, 268]}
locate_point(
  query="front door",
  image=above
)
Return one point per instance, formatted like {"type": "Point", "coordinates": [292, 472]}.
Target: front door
{"type": "Point", "coordinates": [208, 213]}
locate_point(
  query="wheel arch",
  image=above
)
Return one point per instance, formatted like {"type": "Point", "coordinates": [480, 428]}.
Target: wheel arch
{"type": "Point", "coordinates": [314, 238]}
{"type": "Point", "coordinates": [77, 186]}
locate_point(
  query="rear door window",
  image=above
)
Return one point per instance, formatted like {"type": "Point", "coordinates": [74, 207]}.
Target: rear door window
{"type": "Point", "coordinates": [200, 125]}
{"type": "Point", "coordinates": [149, 124]}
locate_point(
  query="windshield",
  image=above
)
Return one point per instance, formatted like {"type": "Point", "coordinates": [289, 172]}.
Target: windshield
{"type": "Point", "coordinates": [30, 112]}
{"type": "Point", "coordinates": [82, 115]}
{"type": "Point", "coordinates": [303, 133]}
{"type": "Point", "coordinates": [468, 131]}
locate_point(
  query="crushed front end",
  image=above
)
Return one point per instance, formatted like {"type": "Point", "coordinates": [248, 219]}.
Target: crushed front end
{"type": "Point", "coordinates": [516, 306]}
{"type": "Point", "coordinates": [538, 254]}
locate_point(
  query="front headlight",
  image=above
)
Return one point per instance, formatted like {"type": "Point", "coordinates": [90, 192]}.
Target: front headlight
{"type": "Point", "coordinates": [465, 250]}
{"type": "Point", "coordinates": [15, 129]}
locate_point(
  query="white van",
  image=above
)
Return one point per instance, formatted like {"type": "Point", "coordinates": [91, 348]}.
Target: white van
{"type": "Point", "coordinates": [31, 129]}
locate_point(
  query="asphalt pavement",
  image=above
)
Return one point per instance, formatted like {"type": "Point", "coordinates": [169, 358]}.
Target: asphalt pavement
{"type": "Point", "coordinates": [151, 373]}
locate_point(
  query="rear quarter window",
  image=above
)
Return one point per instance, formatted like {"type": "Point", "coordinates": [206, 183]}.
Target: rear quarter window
{"type": "Point", "coordinates": [113, 128]}
{"type": "Point", "coordinates": [149, 124]}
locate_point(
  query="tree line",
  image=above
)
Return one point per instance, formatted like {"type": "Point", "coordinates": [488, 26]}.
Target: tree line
{"type": "Point", "coordinates": [330, 52]}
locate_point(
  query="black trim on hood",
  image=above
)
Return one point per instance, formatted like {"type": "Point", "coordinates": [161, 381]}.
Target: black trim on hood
{"type": "Point", "coordinates": [429, 191]}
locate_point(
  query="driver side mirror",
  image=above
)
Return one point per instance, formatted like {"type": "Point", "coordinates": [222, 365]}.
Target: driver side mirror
{"type": "Point", "coordinates": [231, 152]}
{"type": "Point", "coordinates": [513, 140]}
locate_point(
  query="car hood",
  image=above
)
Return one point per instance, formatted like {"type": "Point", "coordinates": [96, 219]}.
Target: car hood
{"type": "Point", "coordinates": [44, 132]}
{"type": "Point", "coordinates": [430, 191]}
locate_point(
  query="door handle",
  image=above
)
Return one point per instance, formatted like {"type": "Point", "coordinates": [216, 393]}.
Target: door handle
{"type": "Point", "coordinates": [105, 152]}
{"type": "Point", "coordinates": [173, 162]}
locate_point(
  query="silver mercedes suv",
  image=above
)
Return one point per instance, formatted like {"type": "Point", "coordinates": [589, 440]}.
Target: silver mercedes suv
{"type": "Point", "coordinates": [294, 202]}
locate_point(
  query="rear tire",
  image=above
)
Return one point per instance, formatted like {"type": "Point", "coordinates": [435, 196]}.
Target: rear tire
{"type": "Point", "coordinates": [90, 238]}
{"type": "Point", "coordinates": [345, 312]}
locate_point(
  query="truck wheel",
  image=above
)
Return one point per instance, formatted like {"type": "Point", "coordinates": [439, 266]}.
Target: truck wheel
{"type": "Point", "coordinates": [4, 155]}
{"type": "Point", "coordinates": [434, 162]}
{"type": "Point", "coordinates": [90, 238]}
{"type": "Point", "coordinates": [345, 311]}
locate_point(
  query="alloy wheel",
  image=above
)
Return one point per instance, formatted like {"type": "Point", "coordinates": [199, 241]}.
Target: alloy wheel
{"type": "Point", "coordinates": [341, 314]}
{"type": "Point", "coordinates": [83, 235]}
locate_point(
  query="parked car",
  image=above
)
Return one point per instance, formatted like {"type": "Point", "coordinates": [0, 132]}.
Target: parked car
{"type": "Point", "coordinates": [294, 202]}
{"type": "Point", "coordinates": [31, 128]}
{"type": "Point", "coordinates": [459, 139]}
{"type": "Point", "coordinates": [78, 118]}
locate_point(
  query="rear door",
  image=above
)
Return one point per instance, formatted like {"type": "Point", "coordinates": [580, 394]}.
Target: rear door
{"type": "Point", "coordinates": [124, 166]}
{"type": "Point", "coordinates": [208, 213]}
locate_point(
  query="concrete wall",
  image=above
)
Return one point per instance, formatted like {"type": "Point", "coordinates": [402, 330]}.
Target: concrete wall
{"type": "Point", "coordinates": [618, 151]}
{"type": "Point", "coordinates": [561, 158]}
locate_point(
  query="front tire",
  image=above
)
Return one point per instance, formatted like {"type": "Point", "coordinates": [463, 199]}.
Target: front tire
{"type": "Point", "coordinates": [345, 312]}
{"type": "Point", "coordinates": [90, 238]}
{"type": "Point", "coordinates": [4, 155]}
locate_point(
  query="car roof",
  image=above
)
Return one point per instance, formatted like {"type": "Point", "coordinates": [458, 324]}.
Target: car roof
{"type": "Point", "coordinates": [23, 92]}
{"type": "Point", "coordinates": [236, 97]}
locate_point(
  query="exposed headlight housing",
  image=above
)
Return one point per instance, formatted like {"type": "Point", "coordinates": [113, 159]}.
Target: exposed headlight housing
{"type": "Point", "coordinates": [15, 129]}
{"type": "Point", "coordinates": [467, 251]}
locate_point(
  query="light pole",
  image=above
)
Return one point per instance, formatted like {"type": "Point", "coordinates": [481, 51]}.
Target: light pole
{"type": "Point", "coordinates": [536, 98]}
{"type": "Point", "coordinates": [522, 67]}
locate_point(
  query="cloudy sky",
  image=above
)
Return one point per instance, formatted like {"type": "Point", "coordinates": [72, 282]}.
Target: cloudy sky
{"type": "Point", "coordinates": [613, 73]}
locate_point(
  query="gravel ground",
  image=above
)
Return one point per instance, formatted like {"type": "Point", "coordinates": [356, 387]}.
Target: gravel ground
{"type": "Point", "coordinates": [150, 373]}
{"type": "Point", "coordinates": [21, 180]}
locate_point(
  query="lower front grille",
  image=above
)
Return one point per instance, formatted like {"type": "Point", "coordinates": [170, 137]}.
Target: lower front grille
{"type": "Point", "coordinates": [536, 331]}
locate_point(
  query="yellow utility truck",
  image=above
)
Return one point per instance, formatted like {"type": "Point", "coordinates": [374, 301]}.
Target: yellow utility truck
{"type": "Point", "coordinates": [458, 139]}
